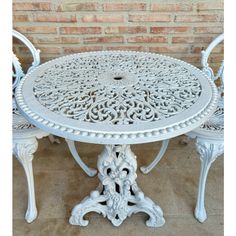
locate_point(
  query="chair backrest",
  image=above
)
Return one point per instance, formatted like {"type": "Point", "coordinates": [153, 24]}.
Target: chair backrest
{"type": "Point", "coordinates": [208, 70]}
{"type": "Point", "coordinates": [18, 72]}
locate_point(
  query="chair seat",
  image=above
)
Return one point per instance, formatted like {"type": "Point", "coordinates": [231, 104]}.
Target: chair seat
{"type": "Point", "coordinates": [23, 128]}
{"type": "Point", "coordinates": [213, 128]}
{"type": "Point", "coordinates": [215, 122]}
{"type": "Point", "coordinates": [20, 123]}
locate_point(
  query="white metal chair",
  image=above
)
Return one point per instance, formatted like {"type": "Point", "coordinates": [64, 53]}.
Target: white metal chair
{"type": "Point", "coordinates": [25, 135]}
{"type": "Point", "coordinates": [209, 137]}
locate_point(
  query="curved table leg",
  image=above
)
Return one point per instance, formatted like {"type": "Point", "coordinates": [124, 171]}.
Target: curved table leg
{"type": "Point", "coordinates": [119, 195]}
{"type": "Point", "coordinates": [89, 171]}
{"type": "Point", "coordinates": [208, 152]}
{"type": "Point", "coordinates": [23, 150]}
{"type": "Point", "coordinates": [53, 139]}
{"type": "Point", "coordinates": [147, 169]}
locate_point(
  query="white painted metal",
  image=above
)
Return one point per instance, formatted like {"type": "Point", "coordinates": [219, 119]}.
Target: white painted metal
{"type": "Point", "coordinates": [147, 169]}
{"type": "Point", "coordinates": [117, 98]}
{"type": "Point", "coordinates": [24, 149]}
{"type": "Point", "coordinates": [16, 64]}
{"type": "Point", "coordinates": [35, 52]}
{"type": "Point", "coordinates": [208, 150]}
{"type": "Point", "coordinates": [53, 139]}
{"type": "Point", "coordinates": [24, 133]}
{"type": "Point", "coordinates": [118, 195]}
{"type": "Point", "coordinates": [89, 171]}
{"type": "Point", "coordinates": [209, 136]}
{"type": "Point", "coordinates": [160, 97]}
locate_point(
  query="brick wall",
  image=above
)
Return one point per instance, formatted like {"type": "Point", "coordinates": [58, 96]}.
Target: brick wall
{"type": "Point", "coordinates": [177, 28]}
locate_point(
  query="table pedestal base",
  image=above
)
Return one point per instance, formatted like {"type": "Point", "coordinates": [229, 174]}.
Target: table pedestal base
{"type": "Point", "coordinates": [118, 195]}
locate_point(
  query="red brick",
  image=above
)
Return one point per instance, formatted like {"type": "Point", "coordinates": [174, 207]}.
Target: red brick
{"type": "Point", "coordinates": [125, 30]}
{"type": "Point", "coordinates": [170, 49]}
{"type": "Point", "coordinates": [19, 42]}
{"type": "Point", "coordinates": [216, 58]}
{"type": "Point", "coordinates": [179, 29]}
{"type": "Point", "coordinates": [124, 6]}
{"type": "Point", "coordinates": [187, 39]}
{"type": "Point", "coordinates": [203, 39]}
{"type": "Point", "coordinates": [147, 39]}
{"type": "Point", "coordinates": [20, 18]}
{"type": "Point", "coordinates": [30, 6]}
{"type": "Point", "coordinates": [149, 18]}
{"type": "Point", "coordinates": [205, 30]}
{"type": "Point", "coordinates": [182, 39]}
{"type": "Point", "coordinates": [50, 50]}
{"type": "Point", "coordinates": [197, 49]}
{"type": "Point", "coordinates": [25, 60]}
{"type": "Point", "coordinates": [23, 49]}
{"type": "Point", "coordinates": [16, 41]}
{"type": "Point", "coordinates": [102, 18]}
{"type": "Point", "coordinates": [191, 58]}
{"type": "Point", "coordinates": [89, 6]}
{"type": "Point", "coordinates": [46, 58]}
{"type": "Point", "coordinates": [164, 7]}
{"type": "Point", "coordinates": [15, 49]}
{"type": "Point", "coordinates": [129, 48]}
{"type": "Point", "coordinates": [47, 40]}
{"type": "Point", "coordinates": [81, 49]}
{"type": "Point", "coordinates": [218, 49]}
{"type": "Point", "coordinates": [55, 18]}
{"type": "Point", "coordinates": [37, 29]}
{"type": "Point", "coordinates": [210, 6]}
{"type": "Point", "coordinates": [70, 40]}
{"type": "Point", "coordinates": [112, 39]}
{"type": "Point", "coordinates": [80, 30]}
{"type": "Point", "coordinates": [197, 18]}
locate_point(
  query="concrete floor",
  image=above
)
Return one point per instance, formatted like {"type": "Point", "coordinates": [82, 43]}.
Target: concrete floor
{"type": "Point", "coordinates": [60, 184]}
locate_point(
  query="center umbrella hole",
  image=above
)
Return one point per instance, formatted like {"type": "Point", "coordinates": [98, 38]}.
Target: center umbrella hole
{"type": "Point", "coordinates": [118, 78]}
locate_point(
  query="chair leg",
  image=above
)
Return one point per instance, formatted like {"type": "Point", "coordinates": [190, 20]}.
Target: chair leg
{"type": "Point", "coordinates": [147, 169]}
{"type": "Point", "coordinates": [89, 171]}
{"type": "Point", "coordinates": [53, 139]}
{"type": "Point", "coordinates": [208, 152]}
{"type": "Point", "coordinates": [23, 150]}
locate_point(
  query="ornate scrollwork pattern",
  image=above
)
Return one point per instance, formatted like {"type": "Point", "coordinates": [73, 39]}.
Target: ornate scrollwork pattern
{"type": "Point", "coordinates": [119, 195]}
{"type": "Point", "coordinates": [209, 151]}
{"type": "Point", "coordinates": [19, 122]}
{"type": "Point", "coordinates": [216, 121]}
{"type": "Point", "coordinates": [24, 150]}
{"type": "Point", "coordinates": [147, 88]}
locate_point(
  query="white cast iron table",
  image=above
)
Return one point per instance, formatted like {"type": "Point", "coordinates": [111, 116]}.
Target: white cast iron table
{"type": "Point", "coordinates": [117, 98]}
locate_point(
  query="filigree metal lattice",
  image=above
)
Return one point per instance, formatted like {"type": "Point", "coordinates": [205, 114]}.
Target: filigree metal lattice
{"type": "Point", "coordinates": [117, 88]}
{"type": "Point", "coordinates": [215, 122]}
{"type": "Point", "coordinates": [118, 195]}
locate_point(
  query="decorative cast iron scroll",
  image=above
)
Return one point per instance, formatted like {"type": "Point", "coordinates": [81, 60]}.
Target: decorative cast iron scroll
{"type": "Point", "coordinates": [117, 88]}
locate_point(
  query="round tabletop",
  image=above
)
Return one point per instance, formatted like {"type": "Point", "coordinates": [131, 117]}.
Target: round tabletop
{"type": "Point", "coordinates": [116, 97]}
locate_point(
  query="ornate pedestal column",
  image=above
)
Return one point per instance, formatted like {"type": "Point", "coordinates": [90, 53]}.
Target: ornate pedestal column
{"type": "Point", "coordinates": [118, 195]}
